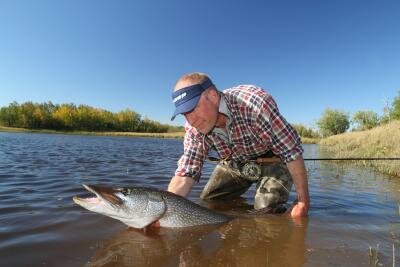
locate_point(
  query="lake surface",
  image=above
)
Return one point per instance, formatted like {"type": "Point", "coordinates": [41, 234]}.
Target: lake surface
{"type": "Point", "coordinates": [353, 209]}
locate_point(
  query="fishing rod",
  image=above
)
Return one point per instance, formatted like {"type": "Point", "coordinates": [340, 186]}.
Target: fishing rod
{"type": "Point", "coordinates": [276, 159]}
{"type": "Point", "coordinates": [351, 158]}
{"type": "Point", "coordinates": [252, 170]}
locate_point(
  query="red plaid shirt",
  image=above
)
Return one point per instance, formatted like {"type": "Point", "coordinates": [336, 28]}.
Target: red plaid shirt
{"type": "Point", "coordinates": [255, 127]}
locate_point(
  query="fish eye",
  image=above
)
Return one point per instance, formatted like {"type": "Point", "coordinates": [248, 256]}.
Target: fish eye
{"type": "Point", "coordinates": [125, 191]}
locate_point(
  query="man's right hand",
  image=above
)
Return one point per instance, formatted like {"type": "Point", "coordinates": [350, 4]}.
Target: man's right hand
{"type": "Point", "coordinates": [299, 209]}
{"type": "Point", "coordinates": [181, 185]}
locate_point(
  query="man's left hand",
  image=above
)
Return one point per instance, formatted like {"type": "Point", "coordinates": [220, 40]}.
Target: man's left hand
{"type": "Point", "coordinates": [299, 209]}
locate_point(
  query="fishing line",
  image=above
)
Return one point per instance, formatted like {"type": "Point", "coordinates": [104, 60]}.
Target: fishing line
{"type": "Point", "coordinates": [214, 159]}
{"type": "Point", "coordinates": [351, 158]}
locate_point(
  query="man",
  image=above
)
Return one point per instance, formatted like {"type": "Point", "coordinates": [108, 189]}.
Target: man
{"type": "Point", "coordinates": [244, 126]}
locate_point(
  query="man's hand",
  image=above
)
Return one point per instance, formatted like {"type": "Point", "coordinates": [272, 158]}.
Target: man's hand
{"type": "Point", "coordinates": [299, 209]}
{"type": "Point", "coordinates": [299, 175]}
{"type": "Point", "coordinates": [181, 185]}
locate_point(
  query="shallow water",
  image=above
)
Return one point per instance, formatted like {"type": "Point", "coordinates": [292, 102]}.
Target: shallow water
{"type": "Point", "coordinates": [353, 209]}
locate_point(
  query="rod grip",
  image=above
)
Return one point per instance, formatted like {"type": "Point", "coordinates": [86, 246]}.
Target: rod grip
{"type": "Point", "coordinates": [268, 160]}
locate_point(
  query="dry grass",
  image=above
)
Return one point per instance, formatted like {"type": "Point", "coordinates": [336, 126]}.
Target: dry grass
{"type": "Point", "coordinates": [132, 134]}
{"type": "Point", "coordinates": [306, 140]}
{"type": "Point", "coordinates": [12, 129]}
{"type": "Point", "coordinates": [382, 141]}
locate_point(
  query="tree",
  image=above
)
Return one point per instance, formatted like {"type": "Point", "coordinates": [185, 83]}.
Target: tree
{"type": "Point", "coordinates": [365, 120]}
{"type": "Point", "coordinates": [65, 116]}
{"type": "Point", "coordinates": [305, 131]}
{"type": "Point", "coordinates": [128, 120]}
{"type": "Point", "coordinates": [47, 109]}
{"type": "Point", "coordinates": [333, 122]}
{"type": "Point", "coordinates": [83, 117]}
{"type": "Point", "coordinates": [9, 116]}
{"type": "Point", "coordinates": [391, 111]}
{"type": "Point", "coordinates": [395, 110]}
{"type": "Point", "coordinates": [387, 109]}
{"type": "Point", "coordinates": [26, 115]}
{"type": "Point", "coordinates": [151, 126]}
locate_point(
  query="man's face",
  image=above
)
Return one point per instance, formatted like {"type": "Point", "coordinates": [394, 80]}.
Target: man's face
{"type": "Point", "coordinates": [204, 116]}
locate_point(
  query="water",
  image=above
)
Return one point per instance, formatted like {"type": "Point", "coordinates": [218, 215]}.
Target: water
{"type": "Point", "coordinates": [353, 209]}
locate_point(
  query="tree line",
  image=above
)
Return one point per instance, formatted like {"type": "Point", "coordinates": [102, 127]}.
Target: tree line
{"type": "Point", "coordinates": [85, 118]}
{"type": "Point", "coordinates": [81, 118]}
{"type": "Point", "coordinates": [334, 121]}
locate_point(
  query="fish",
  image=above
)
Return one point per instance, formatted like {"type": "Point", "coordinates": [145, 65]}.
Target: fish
{"type": "Point", "coordinates": [139, 207]}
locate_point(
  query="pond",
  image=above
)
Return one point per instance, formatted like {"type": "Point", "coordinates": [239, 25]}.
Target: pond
{"type": "Point", "coordinates": [353, 221]}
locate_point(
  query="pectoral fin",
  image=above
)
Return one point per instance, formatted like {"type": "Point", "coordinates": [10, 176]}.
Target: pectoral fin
{"type": "Point", "coordinates": [155, 210]}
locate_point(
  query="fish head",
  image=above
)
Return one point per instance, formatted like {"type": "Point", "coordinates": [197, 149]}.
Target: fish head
{"type": "Point", "coordinates": [136, 207]}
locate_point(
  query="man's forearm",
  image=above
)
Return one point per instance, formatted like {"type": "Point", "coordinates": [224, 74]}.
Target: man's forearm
{"type": "Point", "coordinates": [299, 175]}
{"type": "Point", "coordinates": [181, 185]}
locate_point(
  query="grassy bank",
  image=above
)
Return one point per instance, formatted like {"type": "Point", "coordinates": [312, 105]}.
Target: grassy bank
{"type": "Point", "coordinates": [382, 141]}
{"type": "Point", "coordinates": [131, 134]}
{"type": "Point", "coordinates": [307, 140]}
{"type": "Point", "coordinates": [304, 140]}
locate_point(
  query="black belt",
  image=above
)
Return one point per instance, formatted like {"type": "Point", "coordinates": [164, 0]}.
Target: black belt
{"type": "Point", "coordinates": [251, 169]}
{"type": "Point", "coordinates": [266, 158]}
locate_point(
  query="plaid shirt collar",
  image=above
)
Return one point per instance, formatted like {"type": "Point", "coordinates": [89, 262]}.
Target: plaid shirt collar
{"type": "Point", "coordinates": [223, 108]}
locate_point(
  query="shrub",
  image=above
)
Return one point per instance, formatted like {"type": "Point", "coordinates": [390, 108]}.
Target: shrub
{"type": "Point", "coordinates": [333, 122]}
{"type": "Point", "coordinates": [365, 120]}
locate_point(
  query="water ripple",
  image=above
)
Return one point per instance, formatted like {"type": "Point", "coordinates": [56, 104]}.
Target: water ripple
{"type": "Point", "coordinates": [40, 173]}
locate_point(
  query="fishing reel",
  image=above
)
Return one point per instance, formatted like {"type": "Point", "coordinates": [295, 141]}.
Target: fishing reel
{"type": "Point", "coordinates": [251, 171]}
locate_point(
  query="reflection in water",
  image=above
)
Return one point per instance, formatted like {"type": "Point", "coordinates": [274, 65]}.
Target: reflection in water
{"type": "Point", "coordinates": [258, 241]}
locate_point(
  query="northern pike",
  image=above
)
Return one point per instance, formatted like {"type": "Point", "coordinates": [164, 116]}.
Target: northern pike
{"type": "Point", "coordinates": [139, 207]}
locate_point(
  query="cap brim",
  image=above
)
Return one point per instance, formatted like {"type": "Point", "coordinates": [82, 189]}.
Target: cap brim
{"type": "Point", "coordinates": [186, 107]}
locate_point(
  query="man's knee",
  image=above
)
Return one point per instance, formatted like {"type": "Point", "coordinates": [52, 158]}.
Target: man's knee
{"type": "Point", "coordinates": [273, 190]}
{"type": "Point", "coordinates": [225, 183]}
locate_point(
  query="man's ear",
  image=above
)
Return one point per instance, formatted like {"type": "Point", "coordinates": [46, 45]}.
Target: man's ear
{"type": "Point", "coordinates": [212, 94]}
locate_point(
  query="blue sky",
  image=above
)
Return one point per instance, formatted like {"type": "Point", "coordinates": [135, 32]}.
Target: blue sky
{"type": "Point", "coordinates": [310, 55]}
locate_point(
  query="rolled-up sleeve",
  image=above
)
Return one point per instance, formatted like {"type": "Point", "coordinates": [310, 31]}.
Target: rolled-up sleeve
{"type": "Point", "coordinates": [194, 150]}
{"type": "Point", "coordinates": [272, 126]}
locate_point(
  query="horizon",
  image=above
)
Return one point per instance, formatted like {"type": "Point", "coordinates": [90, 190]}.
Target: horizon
{"type": "Point", "coordinates": [310, 56]}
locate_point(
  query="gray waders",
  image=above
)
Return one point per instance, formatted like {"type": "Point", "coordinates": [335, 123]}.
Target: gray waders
{"type": "Point", "coordinates": [273, 186]}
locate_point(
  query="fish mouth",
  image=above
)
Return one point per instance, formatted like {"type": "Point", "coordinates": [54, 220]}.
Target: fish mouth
{"type": "Point", "coordinates": [102, 195]}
